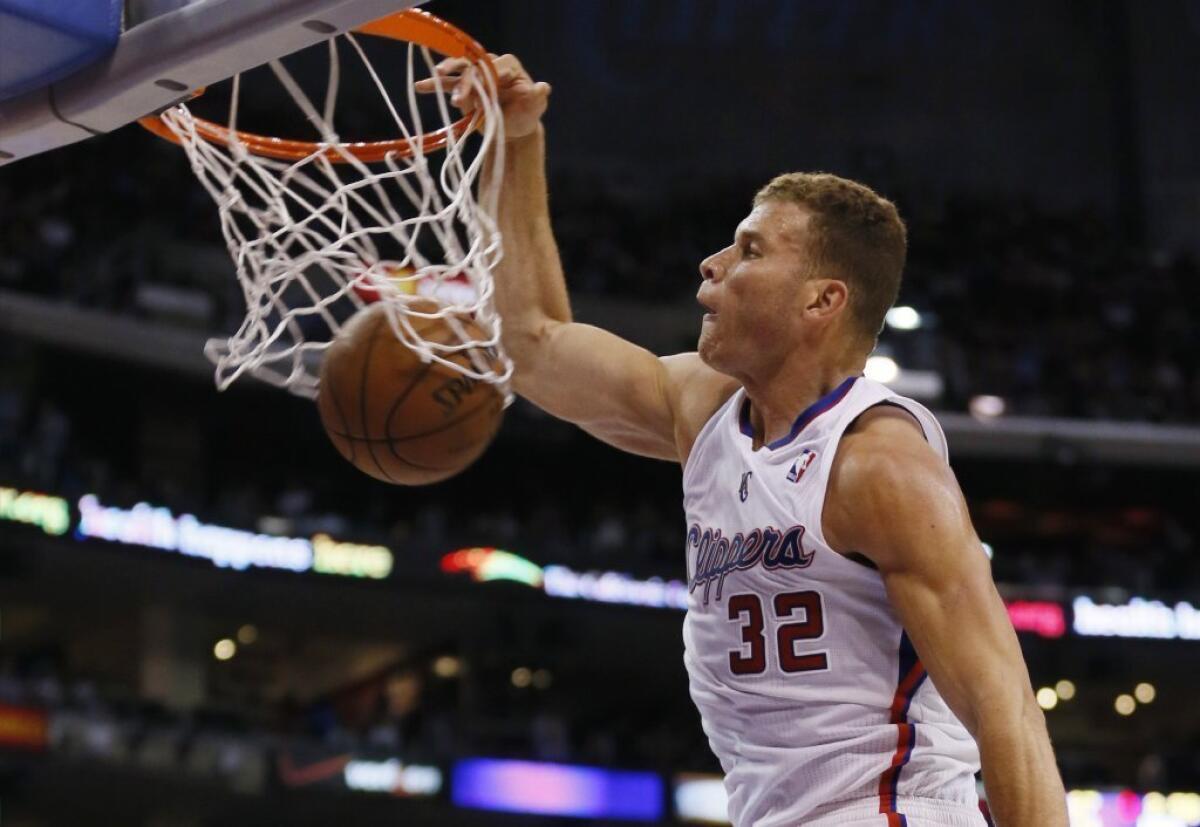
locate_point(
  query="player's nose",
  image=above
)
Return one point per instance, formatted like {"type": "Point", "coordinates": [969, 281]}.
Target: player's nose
{"type": "Point", "coordinates": [708, 267]}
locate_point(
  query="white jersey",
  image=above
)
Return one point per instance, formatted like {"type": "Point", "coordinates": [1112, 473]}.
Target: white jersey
{"type": "Point", "coordinates": [808, 687]}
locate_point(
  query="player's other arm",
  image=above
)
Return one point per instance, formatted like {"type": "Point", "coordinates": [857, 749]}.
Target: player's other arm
{"type": "Point", "coordinates": [895, 500]}
{"type": "Point", "coordinates": [615, 390]}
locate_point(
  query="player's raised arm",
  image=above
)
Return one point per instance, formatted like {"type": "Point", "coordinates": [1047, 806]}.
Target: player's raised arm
{"type": "Point", "coordinates": [893, 499]}
{"type": "Point", "coordinates": [615, 390]}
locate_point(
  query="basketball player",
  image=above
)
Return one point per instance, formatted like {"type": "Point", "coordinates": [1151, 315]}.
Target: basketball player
{"type": "Point", "coordinates": [845, 644]}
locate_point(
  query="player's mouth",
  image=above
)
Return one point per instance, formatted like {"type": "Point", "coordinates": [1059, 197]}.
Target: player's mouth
{"type": "Point", "coordinates": [711, 314]}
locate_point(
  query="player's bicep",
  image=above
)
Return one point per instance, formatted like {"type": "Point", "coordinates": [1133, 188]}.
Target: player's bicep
{"type": "Point", "coordinates": [914, 524]}
{"type": "Point", "coordinates": [960, 629]}
{"type": "Point", "coordinates": [612, 388]}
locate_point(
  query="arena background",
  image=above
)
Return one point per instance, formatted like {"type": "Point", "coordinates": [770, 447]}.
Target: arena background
{"type": "Point", "coordinates": [1044, 156]}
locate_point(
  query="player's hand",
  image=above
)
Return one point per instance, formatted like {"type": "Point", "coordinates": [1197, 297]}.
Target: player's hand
{"type": "Point", "coordinates": [521, 99]}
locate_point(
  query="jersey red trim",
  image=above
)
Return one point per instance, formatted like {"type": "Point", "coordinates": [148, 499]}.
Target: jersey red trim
{"type": "Point", "coordinates": [912, 675]}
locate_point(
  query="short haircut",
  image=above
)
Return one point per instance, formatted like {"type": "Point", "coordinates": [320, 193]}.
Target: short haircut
{"type": "Point", "coordinates": [857, 236]}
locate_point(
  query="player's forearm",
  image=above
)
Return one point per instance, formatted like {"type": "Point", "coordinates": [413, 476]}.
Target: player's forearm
{"type": "Point", "coordinates": [1022, 780]}
{"type": "Point", "coordinates": [530, 288]}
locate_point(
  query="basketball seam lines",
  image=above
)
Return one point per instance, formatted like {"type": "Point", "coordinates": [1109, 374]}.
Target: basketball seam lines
{"type": "Point", "coordinates": [412, 464]}
{"type": "Point", "coordinates": [362, 398]}
{"type": "Point", "coordinates": [436, 430]}
{"type": "Point", "coordinates": [345, 424]}
{"type": "Point", "coordinates": [386, 425]}
{"type": "Point", "coordinates": [337, 407]}
{"type": "Point", "coordinates": [446, 425]}
{"type": "Point", "coordinates": [389, 439]}
{"type": "Point", "coordinates": [387, 420]}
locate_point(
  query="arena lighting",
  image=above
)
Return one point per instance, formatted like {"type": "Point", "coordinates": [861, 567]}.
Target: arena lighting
{"type": "Point", "coordinates": [881, 369]}
{"type": "Point", "coordinates": [1137, 618]}
{"type": "Point", "coordinates": [391, 776]}
{"type": "Point", "coordinates": [485, 564]}
{"type": "Point", "coordinates": [447, 666]}
{"type": "Point", "coordinates": [1047, 698]}
{"type": "Point", "coordinates": [556, 789]}
{"type": "Point", "coordinates": [1043, 618]}
{"type": "Point", "coordinates": [157, 528]}
{"type": "Point", "coordinates": [1145, 693]}
{"type": "Point", "coordinates": [23, 727]}
{"type": "Point", "coordinates": [1125, 808]}
{"type": "Point", "coordinates": [50, 514]}
{"type": "Point", "coordinates": [986, 406]}
{"type": "Point", "coordinates": [224, 649]}
{"type": "Point", "coordinates": [350, 559]}
{"type": "Point", "coordinates": [615, 587]}
{"type": "Point", "coordinates": [903, 318]}
{"type": "Point", "coordinates": [1038, 616]}
{"type": "Point", "coordinates": [701, 798]}
{"type": "Point", "coordinates": [1065, 689]}
{"type": "Point", "coordinates": [1125, 704]}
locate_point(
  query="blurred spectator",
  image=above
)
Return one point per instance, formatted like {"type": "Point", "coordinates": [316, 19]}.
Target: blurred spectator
{"type": "Point", "coordinates": [1054, 312]}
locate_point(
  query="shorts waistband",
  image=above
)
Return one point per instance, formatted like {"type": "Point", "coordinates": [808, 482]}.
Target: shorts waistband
{"type": "Point", "coordinates": [919, 812]}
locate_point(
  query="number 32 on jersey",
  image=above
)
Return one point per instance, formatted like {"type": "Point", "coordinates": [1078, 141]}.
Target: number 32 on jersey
{"type": "Point", "coordinates": [800, 616]}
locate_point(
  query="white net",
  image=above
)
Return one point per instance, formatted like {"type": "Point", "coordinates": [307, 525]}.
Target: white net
{"type": "Point", "coordinates": [316, 238]}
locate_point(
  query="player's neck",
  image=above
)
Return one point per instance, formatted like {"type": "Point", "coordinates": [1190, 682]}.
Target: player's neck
{"type": "Point", "coordinates": [776, 400]}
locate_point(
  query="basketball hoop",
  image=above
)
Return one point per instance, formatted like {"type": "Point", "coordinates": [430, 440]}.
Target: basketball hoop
{"type": "Point", "coordinates": [308, 224]}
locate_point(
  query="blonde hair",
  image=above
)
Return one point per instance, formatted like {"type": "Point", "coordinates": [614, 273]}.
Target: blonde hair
{"type": "Point", "coordinates": [856, 236]}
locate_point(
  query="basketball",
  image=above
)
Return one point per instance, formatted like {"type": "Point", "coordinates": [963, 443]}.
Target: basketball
{"type": "Point", "coordinates": [397, 418]}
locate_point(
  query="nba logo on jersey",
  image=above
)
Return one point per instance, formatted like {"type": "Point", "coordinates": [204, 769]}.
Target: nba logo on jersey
{"type": "Point", "coordinates": [801, 465]}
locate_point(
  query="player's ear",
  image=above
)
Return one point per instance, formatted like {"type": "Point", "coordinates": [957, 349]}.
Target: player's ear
{"type": "Point", "coordinates": [825, 298]}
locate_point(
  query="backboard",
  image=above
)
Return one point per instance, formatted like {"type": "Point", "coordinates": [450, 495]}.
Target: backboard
{"type": "Point", "coordinates": [165, 50]}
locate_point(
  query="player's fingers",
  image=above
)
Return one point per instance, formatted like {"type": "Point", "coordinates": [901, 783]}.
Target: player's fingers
{"type": "Point", "coordinates": [507, 62]}
{"type": "Point", "coordinates": [432, 84]}
{"type": "Point", "coordinates": [464, 89]}
{"type": "Point", "coordinates": [467, 105]}
{"type": "Point", "coordinates": [451, 66]}
{"type": "Point", "coordinates": [448, 72]}
{"type": "Point", "coordinates": [459, 72]}
{"type": "Point", "coordinates": [509, 70]}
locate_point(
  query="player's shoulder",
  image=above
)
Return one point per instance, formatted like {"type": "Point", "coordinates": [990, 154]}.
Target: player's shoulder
{"type": "Point", "coordinates": [695, 393]}
{"type": "Point", "coordinates": [882, 446]}
{"type": "Point", "coordinates": [883, 422]}
{"type": "Point", "coordinates": [883, 465]}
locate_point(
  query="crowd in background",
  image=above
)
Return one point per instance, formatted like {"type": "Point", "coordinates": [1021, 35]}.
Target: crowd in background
{"type": "Point", "coordinates": [1058, 313]}
{"type": "Point", "coordinates": [413, 715]}
{"type": "Point", "coordinates": [408, 712]}
{"type": "Point", "coordinates": [1085, 526]}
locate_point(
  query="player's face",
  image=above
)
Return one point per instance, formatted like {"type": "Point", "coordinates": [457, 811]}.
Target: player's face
{"type": "Point", "coordinates": [751, 289]}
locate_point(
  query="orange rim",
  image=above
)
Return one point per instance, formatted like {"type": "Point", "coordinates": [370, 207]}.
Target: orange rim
{"type": "Point", "coordinates": [411, 25]}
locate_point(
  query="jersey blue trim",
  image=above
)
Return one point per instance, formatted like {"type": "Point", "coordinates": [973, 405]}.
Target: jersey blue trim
{"type": "Point", "coordinates": [910, 675]}
{"type": "Point", "coordinates": [810, 413]}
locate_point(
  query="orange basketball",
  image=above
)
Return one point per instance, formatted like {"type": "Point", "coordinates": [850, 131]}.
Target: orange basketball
{"type": "Point", "coordinates": [393, 416]}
